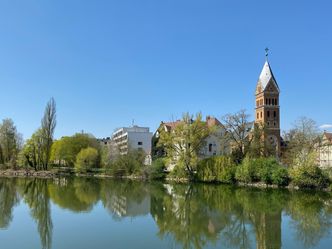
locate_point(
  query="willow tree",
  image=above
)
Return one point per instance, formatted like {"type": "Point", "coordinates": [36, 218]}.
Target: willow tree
{"type": "Point", "coordinates": [184, 141]}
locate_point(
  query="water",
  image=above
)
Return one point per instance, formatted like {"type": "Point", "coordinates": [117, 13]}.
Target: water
{"type": "Point", "coordinates": [70, 213]}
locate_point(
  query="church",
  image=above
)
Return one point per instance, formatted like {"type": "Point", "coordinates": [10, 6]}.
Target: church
{"type": "Point", "coordinates": [267, 107]}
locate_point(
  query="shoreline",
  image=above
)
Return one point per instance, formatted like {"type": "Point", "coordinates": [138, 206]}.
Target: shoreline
{"type": "Point", "coordinates": [49, 174]}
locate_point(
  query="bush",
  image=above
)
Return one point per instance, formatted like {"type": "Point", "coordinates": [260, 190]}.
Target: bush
{"type": "Point", "coordinates": [86, 159]}
{"type": "Point", "coordinates": [309, 176]}
{"type": "Point", "coordinates": [266, 170]}
{"type": "Point", "coordinates": [157, 169]}
{"type": "Point", "coordinates": [280, 176]}
{"type": "Point", "coordinates": [306, 174]}
{"type": "Point", "coordinates": [216, 169]}
{"type": "Point", "coordinates": [129, 164]}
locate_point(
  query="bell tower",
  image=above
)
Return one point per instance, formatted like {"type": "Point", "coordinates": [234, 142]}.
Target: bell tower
{"type": "Point", "coordinates": [267, 109]}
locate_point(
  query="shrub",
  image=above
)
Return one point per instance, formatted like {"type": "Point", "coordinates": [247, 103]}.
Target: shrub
{"type": "Point", "coordinates": [306, 174]}
{"type": "Point", "coordinates": [280, 176]}
{"type": "Point", "coordinates": [157, 169]}
{"type": "Point", "coordinates": [86, 159]}
{"type": "Point", "coordinates": [216, 169]}
{"type": "Point", "coordinates": [246, 171]}
{"type": "Point", "coordinates": [267, 170]}
{"type": "Point", "coordinates": [309, 176]}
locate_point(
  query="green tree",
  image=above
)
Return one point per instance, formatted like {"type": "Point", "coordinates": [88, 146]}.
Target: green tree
{"type": "Point", "coordinates": [48, 124]}
{"type": "Point", "coordinates": [65, 150]}
{"type": "Point", "coordinates": [10, 143]}
{"type": "Point", "coordinates": [32, 152]}
{"type": "Point", "coordinates": [86, 159]}
{"type": "Point", "coordinates": [183, 143]}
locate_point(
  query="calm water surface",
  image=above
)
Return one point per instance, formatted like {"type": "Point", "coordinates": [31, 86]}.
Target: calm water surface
{"type": "Point", "coordinates": [70, 213]}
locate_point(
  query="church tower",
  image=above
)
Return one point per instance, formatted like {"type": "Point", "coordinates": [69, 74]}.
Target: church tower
{"type": "Point", "coordinates": [267, 109]}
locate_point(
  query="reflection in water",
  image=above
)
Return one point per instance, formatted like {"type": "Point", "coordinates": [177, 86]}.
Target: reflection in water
{"type": "Point", "coordinates": [190, 215]}
{"type": "Point", "coordinates": [35, 193]}
{"type": "Point", "coordinates": [8, 199]}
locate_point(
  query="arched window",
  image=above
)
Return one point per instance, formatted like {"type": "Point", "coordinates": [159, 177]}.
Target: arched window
{"type": "Point", "coordinates": [257, 103]}
{"type": "Point", "coordinates": [261, 101]}
{"type": "Point", "coordinates": [268, 114]}
{"type": "Point", "coordinates": [257, 115]}
{"type": "Point", "coordinates": [261, 114]}
{"type": "Point", "coordinates": [274, 114]}
{"type": "Point", "coordinates": [272, 101]}
{"type": "Point", "coordinates": [269, 101]}
{"type": "Point", "coordinates": [276, 101]}
{"type": "Point", "coordinates": [265, 101]}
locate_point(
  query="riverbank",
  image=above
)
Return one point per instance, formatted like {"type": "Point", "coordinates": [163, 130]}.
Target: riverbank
{"type": "Point", "coordinates": [56, 173]}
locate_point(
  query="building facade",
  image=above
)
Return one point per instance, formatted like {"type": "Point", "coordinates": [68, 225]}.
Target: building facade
{"type": "Point", "coordinates": [325, 151]}
{"type": "Point", "coordinates": [127, 138]}
{"type": "Point", "coordinates": [267, 111]}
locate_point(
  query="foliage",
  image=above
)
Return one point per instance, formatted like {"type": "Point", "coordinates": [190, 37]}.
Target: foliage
{"type": "Point", "coordinates": [32, 153]}
{"type": "Point", "coordinates": [128, 164]}
{"type": "Point", "coordinates": [48, 124]}
{"type": "Point", "coordinates": [306, 174]}
{"type": "Point", "coordinates": [301, 140]}
{"type": "Point", "coordinates": [157, 169]}
{"type": "Point", "coordinates": [266, 170]}
{"type": "Point", "coordinates": [216, 169]}
{"type": "Point", "coordinates": [183, 143]}
{"type": "Point", "coordinates": [86, 159]}
{"type": "Point", "coordinates": [10, 143]}
{"type": "Point", "coordinates": [65, 150]}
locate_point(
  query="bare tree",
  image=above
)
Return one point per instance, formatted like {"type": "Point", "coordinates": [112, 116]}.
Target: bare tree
{"type": "Point", "coordinates": [237, 128]}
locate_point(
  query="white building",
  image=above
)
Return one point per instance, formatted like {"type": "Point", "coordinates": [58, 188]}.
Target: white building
{"type": "Point", "coordinates": [325, 151]}
{"type": "Point", "coordinates": [127, 138]}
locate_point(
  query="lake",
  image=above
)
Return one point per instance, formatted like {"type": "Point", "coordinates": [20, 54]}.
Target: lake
{"type": "Point", "coordinates": [68, 213]}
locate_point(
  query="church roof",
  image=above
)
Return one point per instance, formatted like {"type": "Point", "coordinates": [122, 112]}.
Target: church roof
{"type": "Point", "coordinates": [266, 76]}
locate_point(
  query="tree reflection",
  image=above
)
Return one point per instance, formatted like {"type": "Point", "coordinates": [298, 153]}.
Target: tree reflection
{"type": "Point", "coordinates": [36, 195]}
{"type": "Point", "coordinates": [75, 194]}
{"type": "Point", "coordinates": [190, 215]}
{"type": "Point", "coordinates": [8, 199]}
{"type": "Point", "coordinates": [311, 216]}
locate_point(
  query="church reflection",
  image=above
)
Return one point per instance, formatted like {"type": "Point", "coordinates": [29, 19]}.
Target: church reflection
{"type": "Point", "coordinates": [190, 215]}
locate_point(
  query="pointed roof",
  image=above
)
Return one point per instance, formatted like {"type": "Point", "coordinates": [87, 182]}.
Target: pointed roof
{"type": "Point", "coordinates": [265, 77]}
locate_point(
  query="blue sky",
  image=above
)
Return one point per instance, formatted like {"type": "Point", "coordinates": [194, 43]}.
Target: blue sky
{"type": "Point", "coordinates": [109, 62]}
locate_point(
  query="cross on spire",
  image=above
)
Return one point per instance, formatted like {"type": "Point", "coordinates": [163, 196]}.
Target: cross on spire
{"type": "Point", "coordinates": [266, 53]}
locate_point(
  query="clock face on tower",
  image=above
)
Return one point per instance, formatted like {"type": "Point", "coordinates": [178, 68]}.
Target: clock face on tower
{"type": "Point", "coordinates": [273, 140]}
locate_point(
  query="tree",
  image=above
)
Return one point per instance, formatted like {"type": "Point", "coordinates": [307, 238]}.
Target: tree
{"type": "Point", "coordinates": [32, 152]}
{"type": "Point", "coordinates": [65, 150]}
{"type": "Point", "coordinates": [237, 128]}
{"type": "Point", "coordinates": [10, 143]}
{"type": "Point", "coordinates": [183, 143]}
{"type": "Point", "coordinates": [258, 145]}
{"type": "Point", "coordinates": [48, 124]}
{"type": "Point", "coordinates": [86, 159]}
{"type": "Point", "coordinates": [301, 140]}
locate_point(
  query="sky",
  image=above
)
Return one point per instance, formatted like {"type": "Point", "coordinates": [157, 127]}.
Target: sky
{"type": "Point", "coordinates": [112, 63]}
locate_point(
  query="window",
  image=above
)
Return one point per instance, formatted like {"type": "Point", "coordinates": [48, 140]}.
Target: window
{"type": "Point", "coordinates": [261, 102]}
{"type": "Point", "coordinates": [276, 101]}
{"type": "Point", "coordinates": [140, 143]}
{"type": "Point", "coordinates": [275, 114]}
{"type": "Point", "coordinates": [272, 101]}
{"type": "Point", "coordinates": [268, 114]}
{"type": "Point", "coordinates": [261, 114]}
{"type": "Point", "coordinates": [257, 115]}
{"type": "Point", "coordinates": [268, 123]}
{"type": "Point", "coordinates": [274, 124]}
{"type": "Point", "coordinates": [269, 101]}
{"type": "Point", "coordinates": [265, 101]}
{"type": "Point", "coordinates": [210, 147]}
{"type": "Point", "coordinates": [257, 103]}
